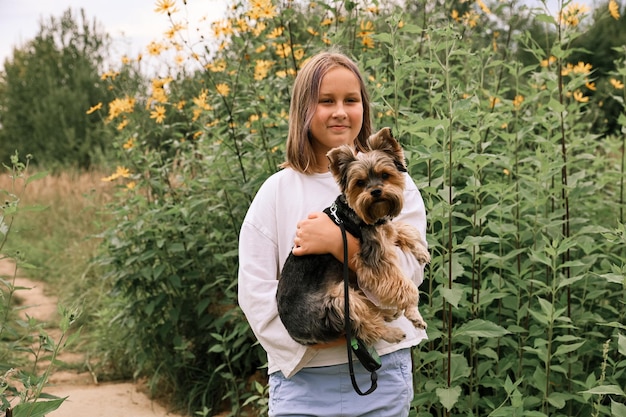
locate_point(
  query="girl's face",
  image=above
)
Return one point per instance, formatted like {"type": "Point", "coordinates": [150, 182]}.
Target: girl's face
{"type": "Point", "coordinates": [338, 115]}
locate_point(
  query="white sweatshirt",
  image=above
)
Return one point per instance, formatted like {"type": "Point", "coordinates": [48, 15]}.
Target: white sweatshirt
{"type": "Point", "coordinates": [265, 241]}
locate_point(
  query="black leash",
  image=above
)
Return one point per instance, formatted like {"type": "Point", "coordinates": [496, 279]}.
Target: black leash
{"type": "Point", "coordinates": [370, 363]}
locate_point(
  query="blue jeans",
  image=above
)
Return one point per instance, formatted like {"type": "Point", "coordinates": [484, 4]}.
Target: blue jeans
{"type": "Point", "coordinates": [327, 390]}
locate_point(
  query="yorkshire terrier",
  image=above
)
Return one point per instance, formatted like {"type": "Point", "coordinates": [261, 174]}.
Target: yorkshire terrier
{"type": "Point", "coordinates": [310, 291]}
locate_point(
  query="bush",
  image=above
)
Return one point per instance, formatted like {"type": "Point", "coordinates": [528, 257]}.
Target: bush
{"type": "Point", "coordinates": [525, 204]}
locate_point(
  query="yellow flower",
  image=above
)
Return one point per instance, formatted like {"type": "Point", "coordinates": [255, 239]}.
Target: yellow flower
{"type": "Point", "coordinates": [171, 32]}
{"type": "Point", "coordinates": [201, 100]}
{"type": "Point", "coordinates": [131, 185]}
{"type": "Point", "coordinates": [261, 9]}
{"type": "Point", "coordinates": [582, 68]}
{"type": "Point", "coordinates": [506, 171]}
{"type": "Point", "coordinates": [548, 62]}
{"type": "Point", "coordinates": [242, 25]}
{"type": "Point", "coordinates": [298, 54]}
{"type": "Point", "coordinates": [367, 28]}
{"type": "Point", "coordinates": [166, 6]}
{"type": "Point", "coordinates": [572, 13]}
{"type": "Point", "coordinates": [580, 97]}
{"type": "Point", "coordinates": [455, 15]}
{"type": "Point", "coordinates": [483, 7]}
{"type": "Point", "coordinates": [223, 89]}
{"type": "Point", "coordinates": [517, 101]}
{"type": "Point", "coordinates": [368, 42]}
{"type": "Point", "coordinates": [222, 27]}
{"type": "Point", "coordinates": [158, 114]}
{"type": "Point", "coordinates": [614, 9]}
{"type": "Point", "coordinates": [471, 19]}
{"type": "Point", "coordinates": [261, 68]}
{"type": "Point", "coordinates": [154, 48]}
{"type": "Point", "coordinates": [120, 172]}
{"type": "Point", "coordinates": [130, 144]}
{"type": "Point", "coordinates": [217, 66]}
{"type": "Point", "coordinates": [94, 108]}
{"type": "Point", "coordinates": [122, 124]}
{"type": "Point", "coordinates": [590, 85]}
{"type": "Point", "coordinates": [119, 106]}
{"type": "Point", "coordinates": [109, 74]}
{"type": "Point", "coordinates": [275, 33]}
{"type": "Point", "coordinates": [617, 84]}
{"type": "Point", "coordinates": [181, 105]}
{"type": "Point", "coordinates": [326, 22]}
{"type": "Point", "coordinates": [567, 69]}
{"type": "Point", "coordinates": [283, 50]}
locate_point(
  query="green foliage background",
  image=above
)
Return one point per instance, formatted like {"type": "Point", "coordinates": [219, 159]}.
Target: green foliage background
{"type": "Point", "coordinates": [520, 165]}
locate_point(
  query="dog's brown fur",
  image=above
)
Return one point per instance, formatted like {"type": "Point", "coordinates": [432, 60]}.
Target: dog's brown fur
{"type": "Point", "coordinates": [311, 292]}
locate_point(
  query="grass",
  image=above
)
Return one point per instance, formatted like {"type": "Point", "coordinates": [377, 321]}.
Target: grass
{"type": "Point", "coordinates": [56, 232]}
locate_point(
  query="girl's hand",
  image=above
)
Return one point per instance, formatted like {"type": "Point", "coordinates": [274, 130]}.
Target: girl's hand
{"type": "Point", "coordinates": [318, 234]}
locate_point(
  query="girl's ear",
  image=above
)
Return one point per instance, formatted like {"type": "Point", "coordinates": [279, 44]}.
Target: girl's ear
{"type": "Point", "coordinates": [340, 159]}
{"type": "Point", "coordinates": [384, 141]}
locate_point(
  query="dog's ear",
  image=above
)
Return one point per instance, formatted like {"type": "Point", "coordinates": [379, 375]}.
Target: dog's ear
{"type": "Point", "coordinates": [384, 141]}
{"type": "Point", "coordinates": [340, 158]}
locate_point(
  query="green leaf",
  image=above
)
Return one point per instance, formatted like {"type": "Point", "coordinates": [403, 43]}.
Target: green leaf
{"type": "Point", "coordinates": [452, 295]}
{"type": "Point", "coordinates": [557, 399]}
{"type": "Point", "coordinates": [617, 409]}
{"type": "Point", "coordinates": [565, 349]}
{"type": "Point", "coordinates": [606, 390]}
{"type": "Point", "coordinates": [38, 409]}
{"type": "Point", "coordinates": [36, 177]}
{"type": "Point", "coordinates": [448, 396]}
{"type": "Point", "coordinates": [480, 328]}
{"type": "Point", "coordinates": [621, 344]}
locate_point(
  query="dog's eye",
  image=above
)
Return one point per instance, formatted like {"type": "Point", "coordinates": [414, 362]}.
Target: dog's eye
{"type": "Point", "coordinates": [360, 183]}
{"type": "Point", "coordinates": [385, 176]}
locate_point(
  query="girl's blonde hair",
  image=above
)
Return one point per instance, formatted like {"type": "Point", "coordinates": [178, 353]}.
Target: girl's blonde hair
{"type": "Point", "coordinates": [304, 98]}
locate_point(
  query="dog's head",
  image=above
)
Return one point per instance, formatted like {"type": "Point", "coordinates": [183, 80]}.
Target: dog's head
{"type": "Point", "coordinates": [372, 181]}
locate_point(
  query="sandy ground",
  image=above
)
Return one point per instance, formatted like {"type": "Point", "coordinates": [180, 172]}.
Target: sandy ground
{"type": "Point", "coordinates": [85, 397]}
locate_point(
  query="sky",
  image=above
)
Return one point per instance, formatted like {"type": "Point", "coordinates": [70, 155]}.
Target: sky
{"type": "Point", "coordinates": [132, 24]}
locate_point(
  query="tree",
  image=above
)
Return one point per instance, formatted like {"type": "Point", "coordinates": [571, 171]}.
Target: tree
{"type": "Point", "coordinates": [47, 88]}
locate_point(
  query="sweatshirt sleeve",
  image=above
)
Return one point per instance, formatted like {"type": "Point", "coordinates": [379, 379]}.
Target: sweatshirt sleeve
{"type": "Point", "coordinates": [257, 284]}
{"type": "Point", "coordinates": [413, 213]}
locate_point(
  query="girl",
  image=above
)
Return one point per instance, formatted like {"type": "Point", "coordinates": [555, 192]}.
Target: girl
{"type": "Point", "coordinates": [329, 107]}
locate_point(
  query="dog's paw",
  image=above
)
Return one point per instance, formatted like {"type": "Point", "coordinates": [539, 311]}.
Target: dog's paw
{"type": "Point", "coordinates": [416, 318]}
{"type": "Point", "coordinates": [422, 255]}
{"type": "Point", "coordinates": [394, 335]}
{"type": "Point", "coordinates": [420, 324]}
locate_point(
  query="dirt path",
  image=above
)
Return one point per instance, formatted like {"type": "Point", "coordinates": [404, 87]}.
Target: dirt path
{"type": "Point", "coordinates": [85, 396]}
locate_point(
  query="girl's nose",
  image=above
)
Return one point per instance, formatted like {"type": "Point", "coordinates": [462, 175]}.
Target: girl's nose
{"type": "Point", "coordinates": [339, 111]}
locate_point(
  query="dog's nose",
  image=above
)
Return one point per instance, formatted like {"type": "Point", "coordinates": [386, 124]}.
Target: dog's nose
{"type": "Point", "coordinates": [376, 192]}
